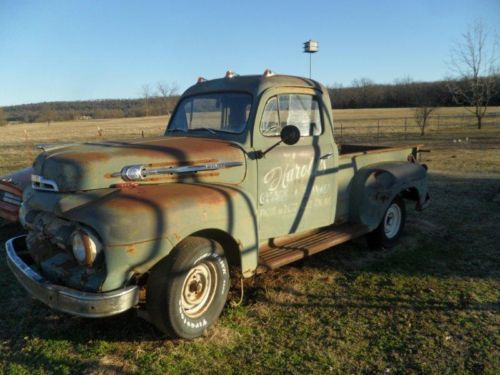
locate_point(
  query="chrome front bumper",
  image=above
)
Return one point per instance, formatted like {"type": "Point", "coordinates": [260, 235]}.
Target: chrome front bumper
{"type": "Point", "coordinates": [90, 305]}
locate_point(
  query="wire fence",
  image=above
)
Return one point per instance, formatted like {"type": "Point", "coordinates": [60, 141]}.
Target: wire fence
{"type": "Point", "coordinates": [380, 129]}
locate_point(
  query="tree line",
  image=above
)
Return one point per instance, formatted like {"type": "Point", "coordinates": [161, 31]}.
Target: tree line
{"type": "Point", "coordinates": [365, 93]}
{"type": "Point", "coordinates": [89, 109]}
{"type": "Point", "coordinates": [153, 103]}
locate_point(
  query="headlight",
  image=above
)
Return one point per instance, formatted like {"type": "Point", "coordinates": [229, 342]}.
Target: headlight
{"type": "Point", "coordinates": [85, 246]}
{"type": "Point", "coordinates": [22, 215]}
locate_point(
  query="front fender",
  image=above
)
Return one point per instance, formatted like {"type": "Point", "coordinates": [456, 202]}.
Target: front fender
{"type": "Point", "coordinates": [140, 226]}
{"type": "Point", "coordinates": [375, 186]}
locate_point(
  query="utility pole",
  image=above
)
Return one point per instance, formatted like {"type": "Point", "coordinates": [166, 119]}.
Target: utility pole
{"type": "Point", "coordinates": [310, 47]}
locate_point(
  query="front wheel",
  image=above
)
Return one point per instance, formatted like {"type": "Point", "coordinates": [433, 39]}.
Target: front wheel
{"type": "Point", "coordinates": [186, 291]}
{"type": "Point", "coordinates": [390, 228]}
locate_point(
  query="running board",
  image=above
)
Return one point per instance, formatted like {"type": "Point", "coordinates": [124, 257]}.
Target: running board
{"type": "Point", "coordinates": [277, 253]}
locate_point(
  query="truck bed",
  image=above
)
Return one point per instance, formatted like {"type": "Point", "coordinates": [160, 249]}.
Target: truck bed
{"type": "Point", "coordinates": [352, 149]}
{"type": "Point", "coordinates": [353, 158]}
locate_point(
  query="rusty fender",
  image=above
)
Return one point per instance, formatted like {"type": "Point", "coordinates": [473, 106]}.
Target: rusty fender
{"type": "Point", "coordinates": [140, 226]}
{"type": "Point", "coordinates": [375, 186]}
{"type": "Point", "coordinates": [11, 191]}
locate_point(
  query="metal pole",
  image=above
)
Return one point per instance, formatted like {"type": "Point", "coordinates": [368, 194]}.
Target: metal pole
{"type": "Point", "coordinates": [310, 63]}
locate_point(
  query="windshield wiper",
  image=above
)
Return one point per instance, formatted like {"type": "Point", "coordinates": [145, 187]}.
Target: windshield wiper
{"type": "Point", "coordinates": [177, 130]}
{"type": "Point", "coordinates": [211, 131]}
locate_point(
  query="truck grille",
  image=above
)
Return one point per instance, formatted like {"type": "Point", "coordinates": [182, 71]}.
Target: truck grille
{"type": "Point", "coordinates": [10, 198]}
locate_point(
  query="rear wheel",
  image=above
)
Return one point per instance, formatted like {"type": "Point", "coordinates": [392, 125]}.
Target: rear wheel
{"type": "Point", "coordinates": [390, 228]}
{"type": "Point", "coordinates": [187, 291]}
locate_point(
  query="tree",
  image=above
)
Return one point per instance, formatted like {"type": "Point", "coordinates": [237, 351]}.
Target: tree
{"type": "Point", "coordinates": [146, 95]}
{"type": "Point", "coordinates": [424, 103]}
{"type": "Point", "coordinates": [474, 69]}
{"type": "Point", "coordinates": [47, 114]}
{"type": "Point", "coordinates": [421, 115]}
{"type": "Point", "coordinates": [3, 118]}
{"type": "Point", "coordinates": [168, 92]}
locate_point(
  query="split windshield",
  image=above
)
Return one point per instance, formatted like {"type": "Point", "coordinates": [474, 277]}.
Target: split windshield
{"type": "Point", "coordinates": [216, 112]}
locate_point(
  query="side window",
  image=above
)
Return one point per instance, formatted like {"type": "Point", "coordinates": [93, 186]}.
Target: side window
{"type": "Point", "coordinates": [270, 125]}
{"type": "Point", "coordinates": [293, 109]}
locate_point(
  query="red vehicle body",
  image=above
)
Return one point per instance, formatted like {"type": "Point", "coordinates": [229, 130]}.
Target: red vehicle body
{"type": "Point", "coordinates": [11, 193]}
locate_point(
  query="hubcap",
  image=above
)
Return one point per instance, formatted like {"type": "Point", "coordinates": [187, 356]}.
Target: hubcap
{"type": "Point", "coordinates": [198, 289]}
{"type": "Point", "coordinates": [392, 220]}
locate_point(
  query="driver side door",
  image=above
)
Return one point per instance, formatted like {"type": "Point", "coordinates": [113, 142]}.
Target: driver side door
{"type": "Point", "coordinates": [294, 190]}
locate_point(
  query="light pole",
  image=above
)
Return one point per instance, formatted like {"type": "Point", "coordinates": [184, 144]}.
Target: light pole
{"type": "Point", "coordinates": [310, 47]}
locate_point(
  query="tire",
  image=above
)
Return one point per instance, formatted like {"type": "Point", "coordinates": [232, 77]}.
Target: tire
{"type": "Point", "coordinates": [390, 228]}
{"type": "Point", "coordinates": [187, 290]}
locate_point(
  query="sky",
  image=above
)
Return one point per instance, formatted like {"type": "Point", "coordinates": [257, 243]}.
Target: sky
{"type": "Point", "coordinates": [77, 50]}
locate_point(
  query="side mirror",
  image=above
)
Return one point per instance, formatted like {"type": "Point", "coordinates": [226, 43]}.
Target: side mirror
{"type": "Point", "coordinates": [290, 135]}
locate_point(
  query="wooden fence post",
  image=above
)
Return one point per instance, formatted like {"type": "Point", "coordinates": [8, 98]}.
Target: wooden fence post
{"type": "Point", "coordinates": [405, 128]}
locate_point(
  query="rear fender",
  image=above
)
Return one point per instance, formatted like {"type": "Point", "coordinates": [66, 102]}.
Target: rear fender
{"type": "Point", "coordinates": [375, 186]}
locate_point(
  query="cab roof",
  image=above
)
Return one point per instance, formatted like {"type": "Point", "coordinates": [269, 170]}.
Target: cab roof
{"type": "Point", "coordinates": [252, 84]}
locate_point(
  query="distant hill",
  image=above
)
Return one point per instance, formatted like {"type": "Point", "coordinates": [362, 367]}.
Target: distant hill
{"type": "Point", "coordinates": [87, 109]}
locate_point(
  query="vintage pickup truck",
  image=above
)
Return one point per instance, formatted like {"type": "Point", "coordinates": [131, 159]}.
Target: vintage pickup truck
{"type": "Point", "coordinates": [247, 177]}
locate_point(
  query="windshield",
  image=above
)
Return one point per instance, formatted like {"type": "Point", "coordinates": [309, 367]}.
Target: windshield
{"type": "Point", "coordinates": [225, 112]}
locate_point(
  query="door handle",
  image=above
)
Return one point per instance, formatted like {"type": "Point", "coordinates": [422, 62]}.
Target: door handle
{"type": "Point", "coordinates": [327, 156]}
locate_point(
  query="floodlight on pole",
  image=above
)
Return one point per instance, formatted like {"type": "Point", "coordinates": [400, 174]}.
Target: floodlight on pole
{"type": "Point", "coordinates": [310, 47]}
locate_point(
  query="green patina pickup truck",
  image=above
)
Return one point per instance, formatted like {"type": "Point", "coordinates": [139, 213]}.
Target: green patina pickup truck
{"type": "Point", "coordinates": [247, 177]}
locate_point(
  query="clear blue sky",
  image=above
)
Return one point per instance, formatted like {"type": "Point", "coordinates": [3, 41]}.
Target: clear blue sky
{"type": "Point", "coordinates": [71, 50]}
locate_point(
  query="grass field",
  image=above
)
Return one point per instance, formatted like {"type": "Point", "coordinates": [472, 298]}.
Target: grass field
{"type": "Point", "coordinates": [430, 305]}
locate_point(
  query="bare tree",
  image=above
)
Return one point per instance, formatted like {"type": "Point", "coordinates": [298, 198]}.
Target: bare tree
{"type": "Point", "coordinates": [167, 91]}
{"type": "Point", "coordinates": [421, 116]}
{"type": "Point", "coordinates": [474, 69]}
{"type": "Point", "coordinates": [47, 114]}
{"type": "Point", "coordinates": [146, 95]}
{"type": "Point", "coordinates": [420, 93]}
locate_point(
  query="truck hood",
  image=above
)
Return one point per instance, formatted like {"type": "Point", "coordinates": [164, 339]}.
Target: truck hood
{"type": "Point", "coordinates": [90, 166]}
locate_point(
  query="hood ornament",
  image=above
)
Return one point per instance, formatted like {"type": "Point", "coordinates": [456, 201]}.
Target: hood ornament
{"type": "Point", "coordinates": [140, 172]}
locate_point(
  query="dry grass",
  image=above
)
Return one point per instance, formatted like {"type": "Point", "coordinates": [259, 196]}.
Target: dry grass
{"type": "Point", "coordinates": [18, 142]}
{"type": "Point", "coordinates": [374, 113]}
{"type": "Point", "coordinates": [401, 121]}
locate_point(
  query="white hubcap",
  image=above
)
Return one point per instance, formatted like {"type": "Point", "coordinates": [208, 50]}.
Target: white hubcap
{"type": "Point", "coordinates": [392, 220]}
{"type": "Point", "coordinates": [198, 289]}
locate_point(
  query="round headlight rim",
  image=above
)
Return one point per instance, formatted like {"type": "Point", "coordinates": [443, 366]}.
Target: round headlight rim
{"type": "Point", "coordinates": [92, 247]}
{"type": "Point", "coordinates": [22, 214]}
